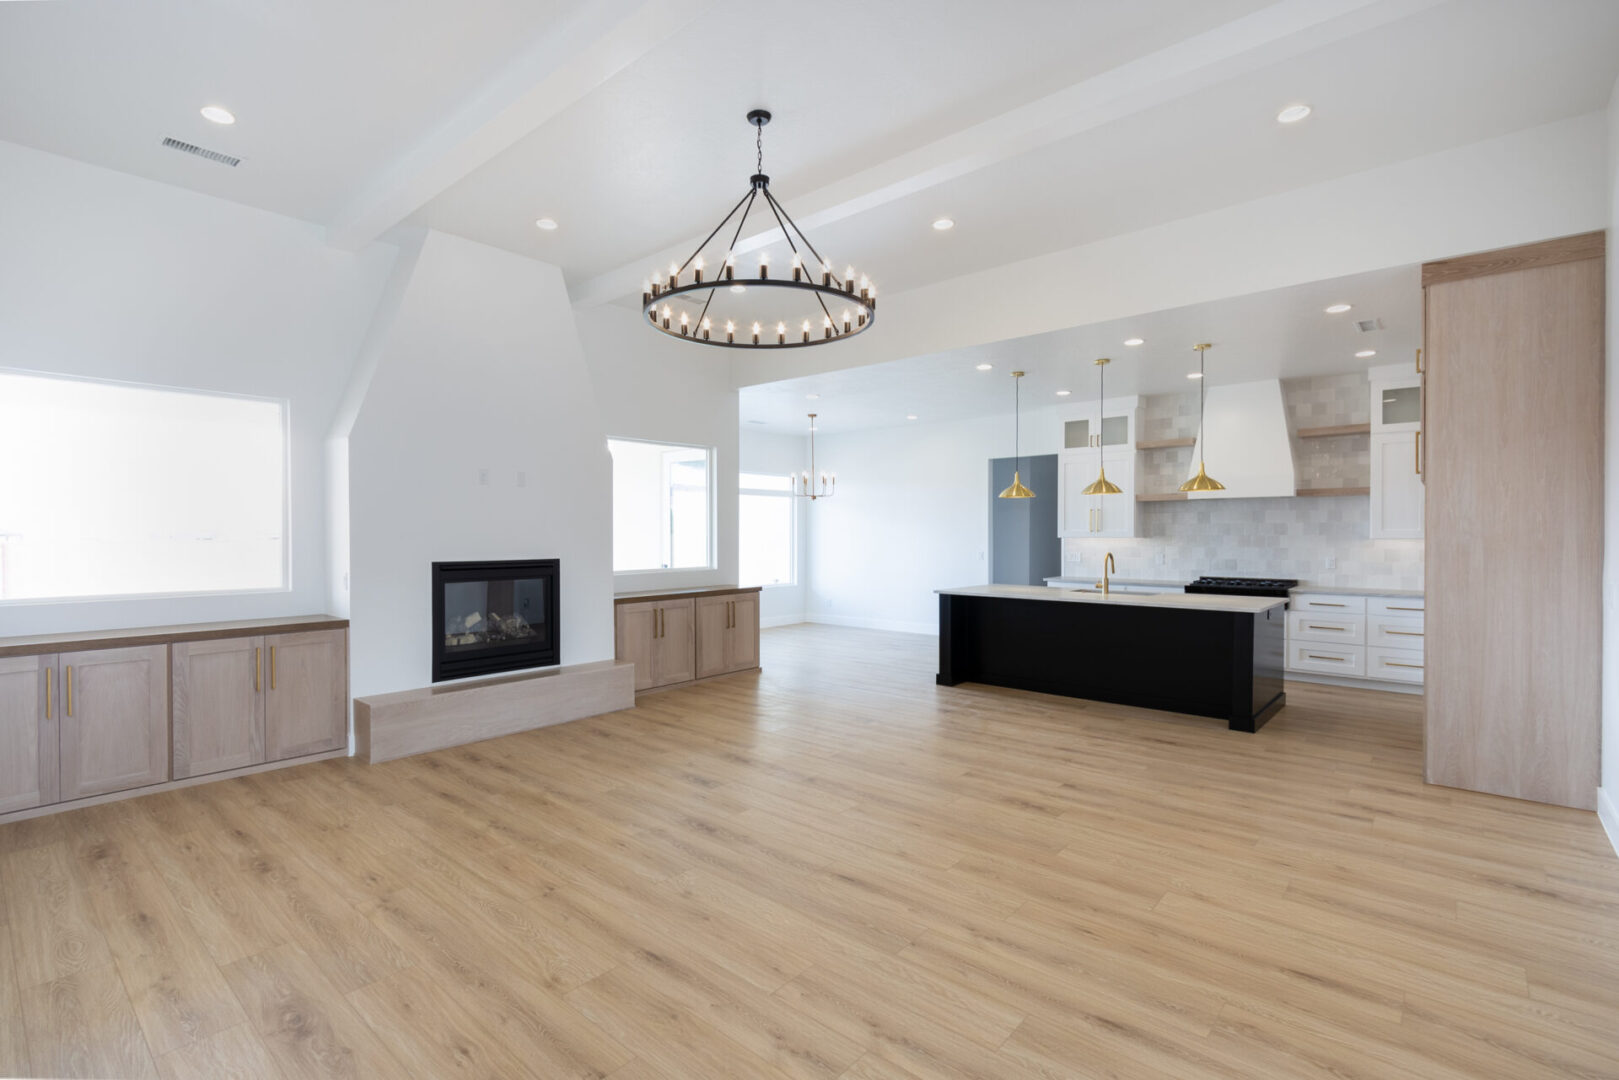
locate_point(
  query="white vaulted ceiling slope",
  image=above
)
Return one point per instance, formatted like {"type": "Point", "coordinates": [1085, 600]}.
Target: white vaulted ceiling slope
{"type": "Point", "coordinates": [1036, 125]}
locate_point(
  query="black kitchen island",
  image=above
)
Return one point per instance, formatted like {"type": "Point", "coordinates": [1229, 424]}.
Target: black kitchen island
{"type": "Point", "coordinates": [1207, 655]}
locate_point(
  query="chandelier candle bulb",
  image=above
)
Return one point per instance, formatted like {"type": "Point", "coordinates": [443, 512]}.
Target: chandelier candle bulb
{"type": "Point", "coordinates": [666, 315]}
{"type": "Point", "coordinates": [798, 268]}
{"type": "Point", "coordinates": [764, 266]}
{"type": "Point", "coordinates": [828, 327]}
{"type": "Point", "coordinates": [730, 332]}
{"type": "Point", "coordinates": [756, 333]}
{"type": "Point", "coordinates": [826, 272]}
{"type": "Point", "coordinates": [781, 333]}
{"type": "Point", "coordinates": [646, 292]}
{"type": "Point", "coordinates": [697, 268]}
{"type": "Point", "coordinates": [806, 331]}
{"type": "Point", "coordinates": [674, 276]}
{"type": "Point", "coordinates": [848, 279]}
{"type": "Point", "coordinates": [685, 327]}
{"type": "Point", "coordinates": [730, 267]}
{"type": "Point", "coordinates": [845, 320]}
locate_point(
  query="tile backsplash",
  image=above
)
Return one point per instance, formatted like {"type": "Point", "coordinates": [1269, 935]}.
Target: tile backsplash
{"type": "Point", "coordinates": [1283, 537]}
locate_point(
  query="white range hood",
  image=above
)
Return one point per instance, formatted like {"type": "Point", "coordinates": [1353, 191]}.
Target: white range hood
{"type": "Point", "coordinates": [1249, 450]}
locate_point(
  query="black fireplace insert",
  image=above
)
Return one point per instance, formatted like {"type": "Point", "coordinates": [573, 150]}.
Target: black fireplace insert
{"type": "Point", "coordinates": [494, 616]}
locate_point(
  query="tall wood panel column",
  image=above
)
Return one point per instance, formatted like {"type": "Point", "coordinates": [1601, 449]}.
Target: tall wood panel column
{"type": "Point", "coordinates": [1513, 531]}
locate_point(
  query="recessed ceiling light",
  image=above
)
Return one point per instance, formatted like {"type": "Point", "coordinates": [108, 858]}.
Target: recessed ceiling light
{"type": "Point", "coordinates": [1365, 354]}
{"type": "Point", "coordinates": [1337, 309]}
{"type": "Point", "coordinates": [813, 397]}
{"type": "Point", "coordinates": [986, 367]}
{"type": "Point", "coordinates": [739, 288]}
{"type": "Point", "coordinates": [1064, 393]}
{"type": "Point", "coordinates": [548, 224]}
{"type": "Point", "coordinates": [755, 421]}
{"type": "Point", "coordinates": [1194, 374]}
{"type": "Point", "coordinates": [1292, 114]}
{"type": "Point", "coordinates": [943, 223]}
{"type": "Point", "coordinates": [218, 114]}
{"type": "Point", "coordinates": [1134, 341]}
{"type": "Point", "coordinates": [910, 416]}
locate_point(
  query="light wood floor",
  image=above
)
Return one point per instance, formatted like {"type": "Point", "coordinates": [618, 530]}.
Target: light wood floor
{"type": "Point", "coordinates": [834, 869]}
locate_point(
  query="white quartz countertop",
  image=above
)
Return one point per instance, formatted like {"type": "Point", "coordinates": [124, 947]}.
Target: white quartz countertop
{"type": "Point", "coordinates": [1251, 605]}
{"type": "Point", "coordinates": [1350, 590]}
{"type": "Point", "coordinates": [1082, 579]}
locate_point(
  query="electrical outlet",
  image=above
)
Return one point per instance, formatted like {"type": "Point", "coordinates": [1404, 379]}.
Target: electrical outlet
{"type": "Point", "coordinates": [1330, 562]}
{"type": "Point", "coordinates": [483, 477]}
{"type": "Point", "coordinates": [980, 555]}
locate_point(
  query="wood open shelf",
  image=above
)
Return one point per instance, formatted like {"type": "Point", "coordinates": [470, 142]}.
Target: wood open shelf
{"type": "Point", "coordinates": [1340, 429]}
{"type": "Point", "coordinates": [1164, 444]}
{"type": "Point", "coordinates": [1162, 496]}
{"type": "Point", "coordinates": [1334, 491]}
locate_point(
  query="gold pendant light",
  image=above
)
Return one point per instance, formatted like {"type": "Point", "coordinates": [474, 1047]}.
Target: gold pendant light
{"type": "Point", "coordinates": [1202, 481]}
{"type": "Point", "coordinates": [1017, 490]}
{"type": "Point", "coordinates": [1101, 485]}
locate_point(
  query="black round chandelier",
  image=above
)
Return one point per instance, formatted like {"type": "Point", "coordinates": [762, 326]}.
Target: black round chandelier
{"type": "Point", "coordinates": [800, 307]}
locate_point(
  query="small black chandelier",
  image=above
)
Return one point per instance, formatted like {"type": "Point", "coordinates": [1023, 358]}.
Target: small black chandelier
{"type": "Point", "coordinates": [755, 314]}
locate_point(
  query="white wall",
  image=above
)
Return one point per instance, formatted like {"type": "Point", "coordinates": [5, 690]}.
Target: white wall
{"type": "Point", "coordinates": [778, 455]}
{"type": "Point", "coordinates": [911, 516]}
{"type": "Point", "coordinates": [649, 387]}
{"type": "Point", "coordinates": [1608, 795]}
{"type": "Point", "coordinates": [478, 369]}
{"type": "Point", "coordinates": [109, 276]}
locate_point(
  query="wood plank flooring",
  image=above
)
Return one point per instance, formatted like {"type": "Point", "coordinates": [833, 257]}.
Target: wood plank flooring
{"type": "Point", "coordinates": [831, 869]}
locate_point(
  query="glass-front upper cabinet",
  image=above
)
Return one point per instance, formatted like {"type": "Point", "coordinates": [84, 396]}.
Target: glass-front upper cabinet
{"type": "Point", "coordinates": [1078, 433]}
{"type": "Point", "coordinates": [1400, 405]}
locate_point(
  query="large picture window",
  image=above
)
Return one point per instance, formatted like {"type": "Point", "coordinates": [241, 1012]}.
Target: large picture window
{"type": "Point", "coordinates": [767, 533]}
{"type": "Point", "coordinates": [663, 506]}
{"type": "Point", "coordinates": [111, 489]}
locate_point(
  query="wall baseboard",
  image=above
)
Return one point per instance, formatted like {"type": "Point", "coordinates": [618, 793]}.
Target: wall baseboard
{"type": "Point", "coordinates": [1388, 686]}
{"type": "Point", "coordinates": [1608, 813]}
{"type": "Point", "coordinates": [781, 620]}
{"type": "Point", "coordinates": [899, 625]}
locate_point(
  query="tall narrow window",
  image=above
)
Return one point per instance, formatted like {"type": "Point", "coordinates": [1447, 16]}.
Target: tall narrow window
{"type": "Point", "coordinates": [767, 536]}
{"type": "Point", "coordinates": [111, 489]}
{"type": "Point", "coordinates": [663, 506]}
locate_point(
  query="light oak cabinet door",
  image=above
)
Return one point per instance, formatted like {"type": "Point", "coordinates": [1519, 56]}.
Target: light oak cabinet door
{"type": "Point", "coordinates": [713, 617]}
{"type": "Point", "coordinates": [115, 719]}
{"type": "Point", "coordinates": [635, 639]}
{"type": "Point", "coordinates": [218, 705]}
{"type": "Point", "coordinates": [742, 644]}
{"type": "Point", "coordinates": [306, 702]}
{"type": "Point", "coordinates": [29, 712]}
{"type": "Point", "coordinates": [675, 658]}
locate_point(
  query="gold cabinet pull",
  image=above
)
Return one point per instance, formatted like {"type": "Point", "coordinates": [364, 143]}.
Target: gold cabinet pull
{"type": "Point", "coordinates": [1334, 659]}
{"type": "Point", "coordinates": [1393, 607]}
{"type": "Point", "coordinates": [68, 671]}
{"type": "Point", "coordinates": [272, 667]}
{"type": "Point", "coordinates": [1419, 361]}
{"type": "Point", "coordinates": [1340, 629]}
{"type": "Point", "coordinates": [1324, 603]}
{"type": "Point", "coordinates": [1396, 663]}
{"type": "Point", "coordinates": [1405, 633]}
{"type": "Point", "coordinates": [1416, 446]}
{"type": "Point", "coordinates": [257, 668]}
{"type": "Point", "coordinates": [50, 678]}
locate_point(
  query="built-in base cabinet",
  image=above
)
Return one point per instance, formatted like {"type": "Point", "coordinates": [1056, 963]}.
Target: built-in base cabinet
{"type": "Point", "coordinates": [685, 637]}
{"type": "Point", "coordinates": [98, 721]}
{"type": "Point", "coordinates": [1356, 637]}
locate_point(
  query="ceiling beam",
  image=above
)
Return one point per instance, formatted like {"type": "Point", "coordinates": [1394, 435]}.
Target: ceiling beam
{"type": "Point", "coordinates": [601, 39]}
{"type": "Point", "coordinates": [1267, 36]}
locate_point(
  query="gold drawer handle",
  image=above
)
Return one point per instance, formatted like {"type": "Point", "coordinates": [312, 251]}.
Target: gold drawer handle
{"type": "Point", "coordinates": [1334, 659]}
{"type": "Point", "coordinates": [1340, 629]}
{"type": "Point", "coordinates": [1393, 607]}
{"type": "Point", "coordinates": [1323, 603]}
{"type": "Point", "coordinates": [1396, 663]}
{"type": "Point", "coordinates": [1405, 633]}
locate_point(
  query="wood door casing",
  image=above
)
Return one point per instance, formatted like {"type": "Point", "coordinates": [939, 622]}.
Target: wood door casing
{"type": "Point", "coordinates": [114, 724]}
{"type": "Point", "coordinates": [713, 626]}
{"type": "Point", "coordinates": [218, 692]}
{"type": "Point", "coordinates": [1513, 455]}
{"type": "Point", "coordinates": [306, 700]}
{"type": "Point", "coordinates": [28, 732]}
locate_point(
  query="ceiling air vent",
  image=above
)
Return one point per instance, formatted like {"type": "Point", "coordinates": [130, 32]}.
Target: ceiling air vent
{"type": "Point", "coordinates": [202, 152]}
{"type": "Point", "coordinates": [1366, 326]}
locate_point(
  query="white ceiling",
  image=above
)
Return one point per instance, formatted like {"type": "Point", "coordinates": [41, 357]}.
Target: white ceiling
{"type": "Point", "coordinates": [1281, 334]}
{"type": "Point", "coordinates": [1035, 124]}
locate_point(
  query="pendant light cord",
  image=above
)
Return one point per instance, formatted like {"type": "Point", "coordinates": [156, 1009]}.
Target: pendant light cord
{"type": "Point", "coordinates": [1202, 399]}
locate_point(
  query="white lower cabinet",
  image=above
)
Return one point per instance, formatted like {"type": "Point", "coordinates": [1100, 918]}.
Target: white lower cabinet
{"type": "Point", "coordinates": [1356, 637]}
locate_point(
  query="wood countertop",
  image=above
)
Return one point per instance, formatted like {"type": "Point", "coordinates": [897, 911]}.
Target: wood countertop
{"type": "Point", "coordinates": [683, 594]}
{"type": "Point", "coordinates": [34, 644]}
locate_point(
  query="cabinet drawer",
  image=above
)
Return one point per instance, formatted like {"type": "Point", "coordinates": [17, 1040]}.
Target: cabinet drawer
{"type": "Point", "coordinates": [1322, 602]}
{"type": "Point", "coordinates": [1391, 632]}
{"type": "Point", "coordinates": [1401, 607]}
{"type": "Point", "coordinates": [1327, 629]}
{"type": "Point", "coordinates": [1348, 660]}
{"type": "Point", "coordinates": [1400, 665]}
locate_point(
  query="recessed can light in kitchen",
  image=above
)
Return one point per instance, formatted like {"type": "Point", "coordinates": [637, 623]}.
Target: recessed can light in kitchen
{"type": "Point", "coordinates": [1292, 114]}
{"type": "Point", "coordinates": [986, 367]}
{"type": "Point", "coordinates": [218, 114]}
{"type": "Point", "coordinates": [1194, 374]}
{"type": "Point", "coordinates": [910, 416]}
{"type": "Point", "coordinates": [1337, 309]}
{"type": "Point", "coordinates": [1064, 393]}
{"type": "Point", "coordinates": [943, 224]}
{"type": "Point", "coordinates": [1132, 342]}
{"type": "Point", "coordinates": [548, 224]}
{"type": "Point", "coordinates": [1365, 354]}
{"type": "Point", "coordinates": [812, 397]}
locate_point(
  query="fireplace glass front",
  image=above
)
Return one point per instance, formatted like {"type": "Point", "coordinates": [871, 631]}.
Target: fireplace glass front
{"type": "Point", "coordinates": [490, 617]}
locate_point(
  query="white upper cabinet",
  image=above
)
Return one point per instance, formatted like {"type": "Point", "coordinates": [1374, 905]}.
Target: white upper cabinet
{"type": "Point", "coordinates": [1397, 491]}
{"type": "Point", "coordinates": [1088, 443]}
